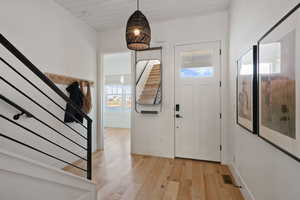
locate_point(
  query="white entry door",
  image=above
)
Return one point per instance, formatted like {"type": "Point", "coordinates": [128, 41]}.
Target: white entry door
{"type": "Point", "coordinates": [197, 99]}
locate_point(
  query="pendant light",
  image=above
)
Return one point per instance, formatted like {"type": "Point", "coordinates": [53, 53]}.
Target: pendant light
{"type": "Point", "coordinates": [138, 32]}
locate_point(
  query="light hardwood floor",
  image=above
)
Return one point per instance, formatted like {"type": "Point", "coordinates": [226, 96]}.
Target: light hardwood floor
{"type": "Point", "coordinates": [121, 176]}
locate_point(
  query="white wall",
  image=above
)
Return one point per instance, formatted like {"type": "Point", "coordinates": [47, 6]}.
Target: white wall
{"type": "Point", "coordinates": [117, 63]}
{"type": "Point", "coordinates": [55, 42]}
{"type": "Point", "coordinates": [154, 135]}
{"type": "Point", "coordinates": [268, 173]}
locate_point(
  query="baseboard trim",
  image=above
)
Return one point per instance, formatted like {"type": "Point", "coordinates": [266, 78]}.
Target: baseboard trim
{"type": "Point", "coordinates": [240, 181]}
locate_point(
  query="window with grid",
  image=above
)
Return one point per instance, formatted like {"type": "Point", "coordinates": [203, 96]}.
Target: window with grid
{"type": "Point", "coordinates": [117, 97]}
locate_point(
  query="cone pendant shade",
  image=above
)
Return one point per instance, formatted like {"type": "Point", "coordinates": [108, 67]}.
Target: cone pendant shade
{"type": "Point", "coordinates": [138, 32]}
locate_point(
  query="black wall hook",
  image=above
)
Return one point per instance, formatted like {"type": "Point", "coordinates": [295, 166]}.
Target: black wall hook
{"type": "Point", "coordinates": [17, 116]}
{"type": "Point", "coordinates": [23, 111]}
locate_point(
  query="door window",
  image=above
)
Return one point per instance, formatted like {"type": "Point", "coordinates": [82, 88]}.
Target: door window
{"type": "Point", "coordinates": [196, 64]}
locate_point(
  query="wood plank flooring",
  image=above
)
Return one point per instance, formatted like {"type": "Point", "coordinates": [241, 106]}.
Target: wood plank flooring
{"type": "Point", "coordinates": [121, 176]}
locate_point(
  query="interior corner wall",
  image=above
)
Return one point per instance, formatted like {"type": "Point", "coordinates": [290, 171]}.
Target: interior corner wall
{"type": "Point", "coordinates": [154, 134]}
{"type": "Point", "coordinates": [268, 173]}
{"type": "Point", "coordinates": [56, 42]}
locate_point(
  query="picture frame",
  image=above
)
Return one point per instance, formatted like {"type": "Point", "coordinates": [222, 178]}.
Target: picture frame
{"type": "Point", "coordinates": [246, 90]}
{"type": "Point", "coordinates": [278, 84]}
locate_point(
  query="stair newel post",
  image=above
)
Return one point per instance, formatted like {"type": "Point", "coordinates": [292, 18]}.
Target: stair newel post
{"type": "Point", "coordinates": [89, 149]}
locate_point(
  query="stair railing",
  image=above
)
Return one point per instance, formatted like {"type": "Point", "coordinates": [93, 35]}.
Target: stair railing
{"type": "Point", "coordinates": [141, 74]}
{"type": "Point", "coordinates": [87, 137]}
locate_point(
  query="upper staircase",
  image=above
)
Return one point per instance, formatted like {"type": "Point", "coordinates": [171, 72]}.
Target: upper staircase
{"type": "Point", "coordinates": [151, 88]}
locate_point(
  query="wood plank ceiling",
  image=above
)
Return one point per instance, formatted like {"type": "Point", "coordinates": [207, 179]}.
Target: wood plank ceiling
{"type": "Point", "coordinates": [108, 14]}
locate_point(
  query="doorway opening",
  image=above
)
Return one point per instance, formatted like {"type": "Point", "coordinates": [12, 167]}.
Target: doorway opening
{"type": "Point", "coordinates": [116, 100]}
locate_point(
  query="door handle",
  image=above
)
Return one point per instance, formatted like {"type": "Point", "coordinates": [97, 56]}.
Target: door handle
{"type": "Point", "coordinates": [178, 116]}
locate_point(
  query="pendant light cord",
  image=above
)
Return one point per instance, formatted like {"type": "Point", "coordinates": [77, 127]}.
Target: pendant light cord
{"type": "Point", "coordinates": [138, 4]}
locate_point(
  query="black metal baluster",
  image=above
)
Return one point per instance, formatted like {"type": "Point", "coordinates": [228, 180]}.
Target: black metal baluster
{"type": "Point", "coordinates": [89, 151]}
{"type": "Point", "coordinates": [39, 105]}
{"type": "Point", "coordinates": [33, 85]}
{"type": "Point", "coordinates": [33, 148]}
{"type": "Point", "coordinates": [14, 51]}
{"type": "Point", "coordinates": [34, 117]}
{"type": "Point", "coordinates": [38, 135]}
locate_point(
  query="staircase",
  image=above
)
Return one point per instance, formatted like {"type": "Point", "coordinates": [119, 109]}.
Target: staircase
{"type": "Point", "coordinates": [149, 93]}
{"type": "Point", "coordinates": [35, 141]}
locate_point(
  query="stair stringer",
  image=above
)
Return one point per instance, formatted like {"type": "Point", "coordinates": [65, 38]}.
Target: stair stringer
{"type": "Point", "coordinates": [23, 178]}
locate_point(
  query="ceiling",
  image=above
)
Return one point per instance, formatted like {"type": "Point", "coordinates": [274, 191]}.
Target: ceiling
{"type": "Point", "coordinates": [109, 14]}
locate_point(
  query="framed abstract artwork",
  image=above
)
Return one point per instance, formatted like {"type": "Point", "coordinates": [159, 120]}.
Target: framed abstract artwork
{"type": "Point", "coordinates": [246, 111]}
{"type": "Point", "coordinates": [279, 84]}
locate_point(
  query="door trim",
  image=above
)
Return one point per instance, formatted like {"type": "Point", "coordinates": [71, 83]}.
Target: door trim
{"type": "Point", "coordinates": [100, 99]}
{"type": "Point", "coordinates": [220, 94]}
